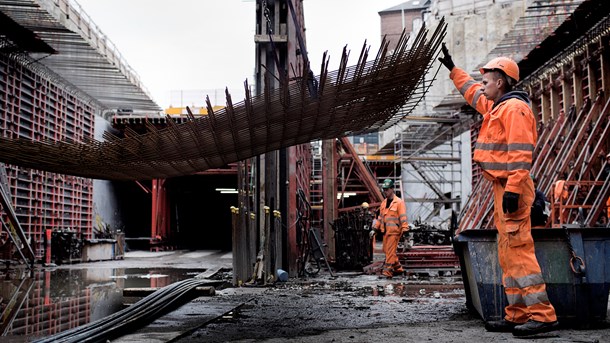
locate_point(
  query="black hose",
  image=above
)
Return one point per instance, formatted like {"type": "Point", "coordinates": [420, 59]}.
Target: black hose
{"type": "Point", "coordinates": [142, 312]}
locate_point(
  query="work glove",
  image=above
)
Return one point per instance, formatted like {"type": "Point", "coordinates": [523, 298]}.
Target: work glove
{"type": "Point", "coordinates": [375, 224]}
{"type": "Point", "coordinates": [372, 233]}
{"type": "Point", "coordinates": [446, 59]}
{"type": "Point", "coordinates": [510, 202]}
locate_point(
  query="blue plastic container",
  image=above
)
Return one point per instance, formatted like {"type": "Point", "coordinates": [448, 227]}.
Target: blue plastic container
{"type": "Point", "coordinates": [579, 299]}
{"type": "Point", "coordinates": [281, 275]}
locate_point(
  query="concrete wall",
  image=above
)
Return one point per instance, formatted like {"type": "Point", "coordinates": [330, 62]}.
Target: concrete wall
{"type": "Point", "coordinates": [474, 28]}
{"type": "Point", "coordinates": [106, 210]}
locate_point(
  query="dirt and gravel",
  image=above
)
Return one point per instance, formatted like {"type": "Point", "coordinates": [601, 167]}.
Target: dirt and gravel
{"type": "Point", "coordinates": [348, 308]}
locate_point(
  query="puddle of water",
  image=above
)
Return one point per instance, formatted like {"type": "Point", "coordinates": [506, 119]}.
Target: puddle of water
{"type": "Point", "coordinates": [417, 290]}
{"type": "Point", "coordinates": [51, 301]}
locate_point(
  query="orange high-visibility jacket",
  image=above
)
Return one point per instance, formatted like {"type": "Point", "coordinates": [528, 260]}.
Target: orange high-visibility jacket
{"type": "Point", "coordinates": [508, 134]}
{"type": "Point", "coordinates": [392, 220]}
{"type": "Point", "coordinates": [560, 192]}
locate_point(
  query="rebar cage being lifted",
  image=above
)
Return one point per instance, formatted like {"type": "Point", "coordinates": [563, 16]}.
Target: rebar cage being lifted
{"type": "Point", "coordinates": [361, 98]}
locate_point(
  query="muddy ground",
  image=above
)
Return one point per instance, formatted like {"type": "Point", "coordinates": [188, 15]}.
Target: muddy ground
{"type": "Point", "coordinates": [349, 308]}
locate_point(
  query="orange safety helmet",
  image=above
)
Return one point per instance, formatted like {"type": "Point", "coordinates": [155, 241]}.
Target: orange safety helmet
{"type": "Point", "coordinates": [507, 65]}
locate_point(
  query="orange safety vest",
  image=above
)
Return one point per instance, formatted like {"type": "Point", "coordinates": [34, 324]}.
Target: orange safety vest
{"type": "Point", "coordinates": [506, 142]}
{"type": "Point", "coordinates": [392, 220]}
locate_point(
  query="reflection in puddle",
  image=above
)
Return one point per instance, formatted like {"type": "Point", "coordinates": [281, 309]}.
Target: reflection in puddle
{"type": "Point", "coordinates": [47, 302]}
{"type": "Point", "coordinates": [419, 290]}
{"type": "Point", "coordinates": [147, 276]}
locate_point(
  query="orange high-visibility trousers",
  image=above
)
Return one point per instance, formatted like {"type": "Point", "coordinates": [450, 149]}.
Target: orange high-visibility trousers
{"type": "Point", "coordinates": [521, 274]}
{"type": "Point", "coordinates": [390, 245]}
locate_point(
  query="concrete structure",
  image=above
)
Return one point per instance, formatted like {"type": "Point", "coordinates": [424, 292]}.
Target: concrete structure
{"type": "Point", "coordinates": [61, 80]}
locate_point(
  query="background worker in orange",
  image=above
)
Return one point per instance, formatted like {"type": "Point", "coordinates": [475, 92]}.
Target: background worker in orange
{"type": "Point", "coordinates": [392, 222]}
{"type": "Point", "coordinates": [504, 151]}
{"type": "Point", "coordinates": [560, 196]}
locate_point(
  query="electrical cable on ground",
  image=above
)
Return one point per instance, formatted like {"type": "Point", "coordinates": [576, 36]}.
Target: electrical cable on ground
{"type": "Point", "coordinates": [142, 312]}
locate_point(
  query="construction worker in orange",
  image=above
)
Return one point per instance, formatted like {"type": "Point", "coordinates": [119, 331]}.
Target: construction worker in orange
{"type": "Point", "coordinates": [560, 190]}
{"type": "Point", "coordinates": [560, 196]}
{"type": "Point", "coordinates": [504, 149]}
{"type": "Point", "coordinates": [392, 223]}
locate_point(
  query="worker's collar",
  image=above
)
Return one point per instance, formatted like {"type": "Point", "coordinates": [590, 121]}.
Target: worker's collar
{"type": "Point", "coordinates": [521, 95]}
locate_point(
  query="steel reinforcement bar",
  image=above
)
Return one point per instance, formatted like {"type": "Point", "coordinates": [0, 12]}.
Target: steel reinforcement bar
{"type": "Point", "coordinates": [353, 99]}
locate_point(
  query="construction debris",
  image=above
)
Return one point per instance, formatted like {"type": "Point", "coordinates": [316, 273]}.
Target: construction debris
{"type": "Point", "coordinates": [353, 244]}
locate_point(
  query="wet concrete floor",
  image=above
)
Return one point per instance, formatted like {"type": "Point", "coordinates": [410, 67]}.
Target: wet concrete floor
{"type": "Point", "coordinates": [52, 299]}
{"type": "Point", "coordinates": [351, 307]}
{"type": "Point", "coordinates": [348, 308]}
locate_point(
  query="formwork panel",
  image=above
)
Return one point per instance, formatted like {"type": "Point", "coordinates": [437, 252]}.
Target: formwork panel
{"type": "Point", "coordinates": [35, 107]}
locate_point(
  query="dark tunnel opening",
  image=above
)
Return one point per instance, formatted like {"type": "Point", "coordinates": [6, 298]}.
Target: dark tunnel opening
{"type": "Point", "coordinates": [200, 214]}
{"type": "Point", "coordinates": [133, 204]}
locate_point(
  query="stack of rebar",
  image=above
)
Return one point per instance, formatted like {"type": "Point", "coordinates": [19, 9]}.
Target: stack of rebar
{"type": "Point", "coordinates": [355, 99]}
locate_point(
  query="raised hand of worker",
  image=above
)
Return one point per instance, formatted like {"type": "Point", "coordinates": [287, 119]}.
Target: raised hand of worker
{"type": "Point", "coordinates": [446, 60]}
{"type": "Point", "coordinates": [510, 202]}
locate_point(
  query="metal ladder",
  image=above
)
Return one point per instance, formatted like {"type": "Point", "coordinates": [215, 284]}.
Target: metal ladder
{"type": "Point", "coordinates": [315, 185]}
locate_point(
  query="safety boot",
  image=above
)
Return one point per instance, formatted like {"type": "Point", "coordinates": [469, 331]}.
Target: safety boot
{"type": "Point", "coordinates": [500, 326]}
{"type": "Point", "coordinates": [386, 275]}
{"type": "Point", "coordinates": [532, 327]}
{"type": "Point", "coordinates": [398, 270]}
{"type": "Point", "coordinates": [387, 271]}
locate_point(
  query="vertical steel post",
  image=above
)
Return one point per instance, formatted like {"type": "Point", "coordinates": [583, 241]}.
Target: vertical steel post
{"type": "Point", "coordinates": [329, 191]}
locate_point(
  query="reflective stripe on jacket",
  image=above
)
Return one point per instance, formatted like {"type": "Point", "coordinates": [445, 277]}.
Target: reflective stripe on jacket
{"type": "Point", "coordinates": [392, 220]}
{"type": "Point", "coordinates": [508, 133]}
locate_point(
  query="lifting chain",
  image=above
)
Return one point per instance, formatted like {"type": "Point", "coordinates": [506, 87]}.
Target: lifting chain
{"type": "Point", "coordinates": [267, 14]}
{"type": "Point", "coordinates": [576, 262]}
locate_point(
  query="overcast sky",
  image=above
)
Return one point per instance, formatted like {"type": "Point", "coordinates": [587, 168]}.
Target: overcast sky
{"type": "Point", "coordinates": [183, 49]}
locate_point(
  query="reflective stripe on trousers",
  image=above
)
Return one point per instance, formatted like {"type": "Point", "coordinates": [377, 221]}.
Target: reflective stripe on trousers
{"type": "Point", "coordinates": [521, 275]}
